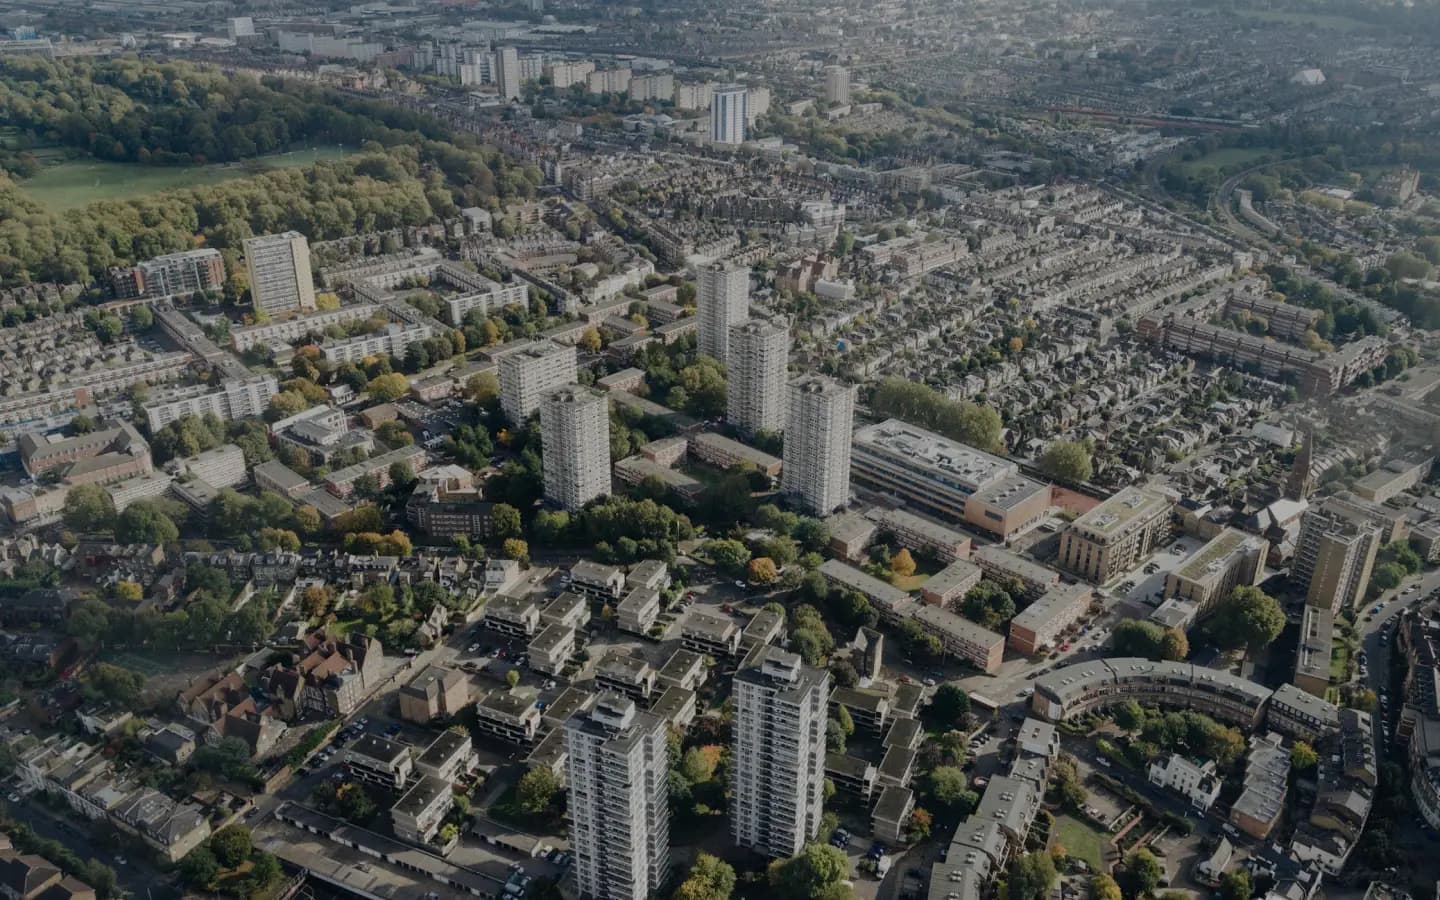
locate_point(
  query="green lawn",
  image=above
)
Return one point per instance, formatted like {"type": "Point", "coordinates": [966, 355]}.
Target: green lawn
{"type": "Point", "coordinates": [1080, 840]}
{"type": "Point", "coordinates": [909, 582]}
{"type": "Point", "coordinates": [1229, 158]}
{"type": "Point", "coordinates": [74, 183]}
{"type": "Point", "coordinates": [1312, 20]}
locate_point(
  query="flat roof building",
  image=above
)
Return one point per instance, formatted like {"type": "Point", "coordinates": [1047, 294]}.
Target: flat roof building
{"type": "Point", "coordinates": [617, 770]}
{"type": "Point", "coordinates": [777, 797]}
{"type": "Point", "coordinates": [1207, 576]}
{"type": "Point", "coordinates": [1116, 536]}
{"type": "Point", "coordinates": [1038, 625]}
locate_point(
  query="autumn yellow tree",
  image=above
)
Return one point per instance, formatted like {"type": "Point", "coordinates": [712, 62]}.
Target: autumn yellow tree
{"type": "Point", "coordinates": [762, 570]}
{"type": "Point", "coordinates": [902, 563]}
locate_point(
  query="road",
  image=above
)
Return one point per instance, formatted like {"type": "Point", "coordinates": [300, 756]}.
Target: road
{"type": "Point", "coordinates": [135, 875]}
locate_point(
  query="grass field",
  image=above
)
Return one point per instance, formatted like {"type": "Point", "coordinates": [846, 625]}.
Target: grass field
{"type": "Point", "coordinates": [1312, 20]}
{"type": "Point", "coordinates": [135, 662]}
{"type": "Point", "coordinates": [1081, 841]}
{"type": "Point", "coordinates": [1228, 158]}
{"type": "Point", "coordinates": [77, 182]}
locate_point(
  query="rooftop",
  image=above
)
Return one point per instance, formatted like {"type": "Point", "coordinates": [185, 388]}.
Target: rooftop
{"type": "Point", "coordinates": [1126, 505]}
{"type": "Point", "coordinates": [960, 465]}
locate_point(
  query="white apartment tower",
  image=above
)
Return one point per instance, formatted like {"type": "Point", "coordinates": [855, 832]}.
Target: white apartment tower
{"type": "Point", "coordinates": [722, 301]}
{"type": "Point", "coordinates": [759, 353]}
{"type": "Point", "coordinates": [778, 766]}
{"type": "Point", "coordinates": [818, 424]}
{"type": "Point", "coordinates": [530, 373]}
{"type": "Point", "coordinates": [617, 773]}
{"type": "Point", "coordinates": [507, 73]}
{"type": "Point", "coordinates": [728, 114]}
{"type": "Point", "coordinates": [279, 269]}
{"type": "Point", "coordinates": [575, 437]}
{"type": "Point", "coordinates": [837, 84]}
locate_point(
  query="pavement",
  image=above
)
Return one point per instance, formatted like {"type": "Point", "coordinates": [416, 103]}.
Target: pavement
{"type": "Point", "coordinates": [135, 875]}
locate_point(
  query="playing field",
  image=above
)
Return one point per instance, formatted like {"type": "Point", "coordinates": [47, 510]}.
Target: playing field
{"type": "Point", "coordinates": [77, 182]}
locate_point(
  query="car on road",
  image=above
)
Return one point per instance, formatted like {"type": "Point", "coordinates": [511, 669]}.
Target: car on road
{"type": "Point", "coordinates": [930, 682]}
{"type": "Point", "coordinates": [13, 798]}
{"type": "Point", "coordinates": [740, 584]}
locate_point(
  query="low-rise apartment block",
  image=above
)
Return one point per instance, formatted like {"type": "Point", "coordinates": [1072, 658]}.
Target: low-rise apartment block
{"type": "Point", "coordinates": [1116, 536]}
{"type": "Point", "coordinates": [513, 616]}
{"type": "Point", "coordinates": [551, 648]}
{"type": "Point", "coordinates": [1038, 625]}
{"type": "Point", "coordinates": [380, 761]}
{"type": "Point", "coordinates": [1230, 559]}
{"type": "Point", "coordinates": [437, 692]}
{"type": "Point", "coordinates": [1313, 651]}
{"type": "Point", "coordinates": [713, 635]}
{"type": "Point", "coordinates": [1002, 566]}
{"type": "Point", "coordinates": [627, 675]}
{"type": "Point", "coordinates": [509, 718]}
{"type": "Point", "coordinates": [638, 611]}
{"type": "Point", "coordinates": [418, 814]}
{"type": "Point", "coordinates": [923, 535]}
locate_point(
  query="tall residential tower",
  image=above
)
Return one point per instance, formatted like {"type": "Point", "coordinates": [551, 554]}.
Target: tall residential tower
{"type": "Point", "coordinates": [530, 373]}
{"type": "Point", "coordinates": [575, 446]}
{"type": "Point", "coordinates": [279, 269]}
{"type": "Point", "coordinates": [759, 353]}
{"type": "Point", "coordinates": [818, 424]}
{"type": "Point", "coordinates": [778, 763]}
{"type": "Point", "coordinates": [728, 106]}
{"type": "Point", "coordinates": [722, 301]}
{"type": "Point", "coordinates": [617, 773]}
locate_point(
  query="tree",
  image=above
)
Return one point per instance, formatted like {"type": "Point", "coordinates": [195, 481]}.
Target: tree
{"type": "Point", "coordinates": [1142, 873]}
{"type": "Point", "coordinates": [505, 521]}
{"type": "Point", "coordinates": [1067, 461]}
{"type": "Point", "coordinates": [264, 871]}
{"type": "Point", "coordinates": [145, 522]}
{"type": "Point", "coordinates": [89, 622]}
{"type": "Point", "coordinates": [1387, 576]}
{"type": "Point", "coordinates": [512, 678]}
{"type": "Point", "coordinates": [232, 845]}
{"type": "Point", "coordinates": [129, 591]}
{"type": "Point", "coordinates": [387, 387]}
{"type": "Point", "coordinates": [516, 548]}
{"type": "Point", "coordinates": [920, 823]}
{"type": "Point", "coordinates": [88, 509]}
{"type": "Point", "coordinates": [1031, 877]}
{"type": "Point", "coordinates": [279, 539]}
{"type": "Point", "coordinates": [845, 720]}
{"type": "Point", "coordinates": [1104, 887]}
{"type": "Point", "coordinates": [200, 868]}
{"type": "Point", "coordinates": [1364, 700]}
{"type": "Point", "coordinates": [815, 873]}
{"type": "Point", "coordinates": [1302, 757]}
{"type": "Point", "coordinates": [947, 791]}
{"type": "Point", "coordinates": [1236, 885]}
{"type": "Point", "coordinates": [950, 705]}
{"type": "Point", "coordinates": [1248, 618]}
{"type": "Point", "coordinates": [1130, 716]}
{"type": "Point", "coordinates": [1174, 646]}
{"type": "Point", "coordinates": [761, 570]}
{"type": "Point", "coordinates": [902, 563]}
{"type": "Point", "coordinates": [729, 556]}
{"type": "Point", "coordinates": [710, 878]}
{"type": "Point", "coordinates": [590, 340]}
{"type": "Point", "coordinates": [483, 389]}
{"type": "Point", "coordinates": [537, 790]}
{"type": "Point", "coordinates": [118, 685]}
{"type": "Point", "coordinates": [698, 764]}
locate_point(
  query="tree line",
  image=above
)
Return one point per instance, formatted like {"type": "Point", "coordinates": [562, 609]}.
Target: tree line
{"type": "Point", "coordinates": [410, 171]}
